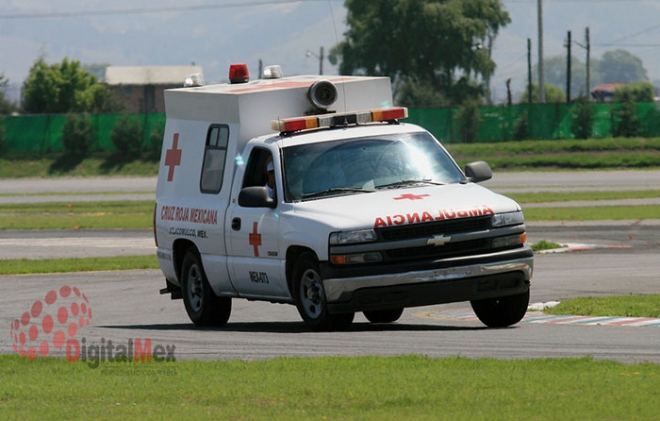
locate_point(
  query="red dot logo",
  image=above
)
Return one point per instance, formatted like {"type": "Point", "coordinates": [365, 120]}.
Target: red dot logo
{"type": "Point", "coordinates": [51, 323]}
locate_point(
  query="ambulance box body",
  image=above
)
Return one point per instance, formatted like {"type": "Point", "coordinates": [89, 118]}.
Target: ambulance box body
{"type": "Point", "coordinates": [310, 191]}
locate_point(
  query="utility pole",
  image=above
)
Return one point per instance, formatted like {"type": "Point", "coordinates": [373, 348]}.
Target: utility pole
{"type": "Point", "coordinates": [320, 57]}
{"type": "Point", "coordinates": [541, 66]}
{"type": "Point", "coordinates": [588, 43]}
{"type": "Point", "coordinates": [587, 46]}
{"type": "Point", "coordinates": [529, 71]}
{"type": "Point", "coordinates": [568, 68]}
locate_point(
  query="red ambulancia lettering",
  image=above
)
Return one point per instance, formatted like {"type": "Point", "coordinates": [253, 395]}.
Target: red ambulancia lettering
{"type": "Point", "coordinates": [414, 218]}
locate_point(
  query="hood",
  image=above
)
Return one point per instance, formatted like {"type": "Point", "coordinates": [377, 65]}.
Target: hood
{"type": "Point", "coordinates": [403, 206]}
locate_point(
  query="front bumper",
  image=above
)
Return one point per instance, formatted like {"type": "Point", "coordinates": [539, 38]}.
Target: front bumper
{"type": "Point", "coordinates": [450, 280]}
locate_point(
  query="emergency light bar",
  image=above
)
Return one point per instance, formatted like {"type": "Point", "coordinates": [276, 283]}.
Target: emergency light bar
{"type": "Point", "coordinates": [334, 120]}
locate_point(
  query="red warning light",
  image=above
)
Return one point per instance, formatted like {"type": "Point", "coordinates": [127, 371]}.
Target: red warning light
{"type": "Point", "coordinates": [238, 73]}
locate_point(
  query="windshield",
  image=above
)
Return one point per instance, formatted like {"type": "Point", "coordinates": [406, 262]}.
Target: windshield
{"type": "Point", "coordinates": [364, 165]}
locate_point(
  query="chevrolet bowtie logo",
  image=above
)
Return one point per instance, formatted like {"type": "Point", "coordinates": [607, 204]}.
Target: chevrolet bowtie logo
{"type": "Point", "coordinates": [438, 240]}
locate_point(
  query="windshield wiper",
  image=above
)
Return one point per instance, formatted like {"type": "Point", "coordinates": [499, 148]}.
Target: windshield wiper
{"type": "Point", "coordinates": [334, 190]}
{"type": "Point", "coordinates": [404, 183]}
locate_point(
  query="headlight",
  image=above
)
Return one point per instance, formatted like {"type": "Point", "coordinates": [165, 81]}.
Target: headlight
{"type": "Point", "coordinates": [352, 237]}
{"type": "Point", "coordinates": [504, 219]}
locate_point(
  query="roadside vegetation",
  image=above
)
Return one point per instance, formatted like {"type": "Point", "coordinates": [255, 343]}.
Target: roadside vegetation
{"type": "Point", "coordinates": [537, 155]}
{"type": "Point", "coordinates": [82, 264]}
{"type": "Point", "coordinates": [589, 154]}
{"type": "Point", "coordinates": [365, 388]}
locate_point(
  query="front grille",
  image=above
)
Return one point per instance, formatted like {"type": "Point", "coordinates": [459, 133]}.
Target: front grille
{"type": "Point", "coordinates": [464, 248]}
{"type": "Point", "coordinates": [450, 228]}
{"type": "Point", "coordinates": [430, 229]}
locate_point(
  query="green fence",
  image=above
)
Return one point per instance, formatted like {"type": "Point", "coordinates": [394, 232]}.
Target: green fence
{"type": "Point", "coordinates": [545, 121]}
{"type": "Point", "coordinates": [43, 133]}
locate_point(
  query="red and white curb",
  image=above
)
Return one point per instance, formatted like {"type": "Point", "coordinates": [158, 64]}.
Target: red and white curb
{"type": "Point", "coordinates": [581, 247]}
{"type": "Point", "coordinates": [538, 317]}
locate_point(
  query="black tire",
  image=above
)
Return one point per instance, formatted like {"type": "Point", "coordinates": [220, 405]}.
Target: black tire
{"type": "Point", "coordinates": [202, 305]}
{"type": "Point", "coordinates": [310, 298]}
{"type": "Point", "coordinates": [503, 311]}
{"type": "Point", "coordinates": [384, 316]}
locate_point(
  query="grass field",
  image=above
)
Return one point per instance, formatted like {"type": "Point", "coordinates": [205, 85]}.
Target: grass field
{"type": "Point", "coordinates": [330, 388]}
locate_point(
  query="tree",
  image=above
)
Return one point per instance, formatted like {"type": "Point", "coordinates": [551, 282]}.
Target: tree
{"type": "Point", "coordinates": [555, 74]}
{"type": "Point", "coordinates": [582, 119]}
{"type": "Point", "coordinates": [434, 43]}
{"type": "Point", "coordinates": [77, 134]}
{"type": "Point", "coordinates": [626, 120]}
{"type": "Point", "coordinates": [127, 135]}
{"type": "Point", "coordinates": [553, 94]}
{"type": "Point", "coordinates": [620, 66]}
{"type": "Point", "coordinates": [6, 107]}
{"type": "Point", "coordinates": [637, 92]}
{"type": "Point", "coordinates": [61, 88]}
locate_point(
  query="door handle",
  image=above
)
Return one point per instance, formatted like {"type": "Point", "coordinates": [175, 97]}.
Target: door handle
{"type": "Point", "coordinates": [236, 224]}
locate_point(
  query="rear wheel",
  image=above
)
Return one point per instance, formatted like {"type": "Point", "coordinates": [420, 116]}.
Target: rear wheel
{"type": "Point", "coordinates": [310, 297]}
{"type": "Point", "coordinates": [384, 316]}
{"type": "Point", "coordinates": [502, 311]}
{"type": "Point", "coordinates": [202, 305]}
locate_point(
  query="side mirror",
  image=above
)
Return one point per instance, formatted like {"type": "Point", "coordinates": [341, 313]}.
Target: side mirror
{"type": "Point", "coordinates": [255, 197]}
{"type": "Point", "coordinates": [478, 171]}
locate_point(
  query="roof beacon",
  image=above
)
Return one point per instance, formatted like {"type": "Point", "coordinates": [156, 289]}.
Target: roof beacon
{"type": "Point", "coordinates": [238, 73]}
{"type": "Point", "coordinates": [272, 72]}
{"type": "Point", "coordinates": [333, 120]}
{"type": "Point", "coordinates": [193, 80]}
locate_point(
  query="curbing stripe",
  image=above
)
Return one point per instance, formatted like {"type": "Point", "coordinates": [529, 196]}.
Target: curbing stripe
{"type": "Point", "coordinates": [540, 318]}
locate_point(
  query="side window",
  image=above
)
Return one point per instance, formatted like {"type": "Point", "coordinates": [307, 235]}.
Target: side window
{"type": "Point", "coordinates": [257, 171]}
{"type": "Point", "coordinates": [215, 153]}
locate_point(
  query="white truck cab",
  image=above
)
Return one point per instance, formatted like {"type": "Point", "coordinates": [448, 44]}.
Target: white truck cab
{"type": "Point", "coordinates": [310, 191]}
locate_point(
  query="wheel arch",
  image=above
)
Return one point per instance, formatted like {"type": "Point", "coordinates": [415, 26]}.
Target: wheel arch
{"type": "Point", "coordinates": [179, 250]}
{"type": "Point", "coordinates": [292, 255]}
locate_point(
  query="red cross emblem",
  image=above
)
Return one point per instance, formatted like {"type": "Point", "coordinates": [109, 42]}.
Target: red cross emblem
{"type": "Point", "coordinates": [255, 239]}
{"type": "Point", "coordinates": [411, 196]}
{"type": "Point", "coordinates": [173, 157]}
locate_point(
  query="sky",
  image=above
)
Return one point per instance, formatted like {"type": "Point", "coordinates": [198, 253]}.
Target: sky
{"type": "Point", "coordinates": [215, 33]}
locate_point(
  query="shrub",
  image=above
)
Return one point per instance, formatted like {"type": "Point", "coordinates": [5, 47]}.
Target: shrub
{"type": "Point", "coordinates": [584, 113]}
{"type": "Point", "coordinates": [77, 134]}
{"type": "Point", "coordinates": [127, 135]}
{"type": "Point", "coordinates": [468, 118]}
{"type": "Point", "coordinates": [156, 138]}
{"type": "Point", "coordinates": [625, 114]}
{"type": "Point", "coordinates": [521, 129]}
{"type": "Point", "coordinates": [3, 141]}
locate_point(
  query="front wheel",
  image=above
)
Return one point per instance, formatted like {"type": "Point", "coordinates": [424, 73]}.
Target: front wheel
{"type": "Point", "coordinates": [310, 300]}
{"type": "Point", "coordinates": [202, 305]}
{"type": "Point", "coordinates": [502, 311]}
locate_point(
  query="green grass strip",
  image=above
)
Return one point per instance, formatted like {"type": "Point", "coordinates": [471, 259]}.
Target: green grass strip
{"type": "Point", "coordinates": [544, 197]}
{"type": "Point", "coordinates": [592, 214]}
{"type": "Point", "coordinates": [86, 264]}
{"type": "Point", "coordinates": [334, 388]}
{"type": "Point", "coordinates": [97, 207]}
{"type": "Point", "coordinates": [92, 193]}
{"type": "Point", "coordinates": [28, 222]}
{"type": "Point", "coordinates": [624, 306]}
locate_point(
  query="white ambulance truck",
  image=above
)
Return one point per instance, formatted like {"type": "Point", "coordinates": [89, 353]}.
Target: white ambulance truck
{"type": "Point", "coordinates": [310, 191]}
